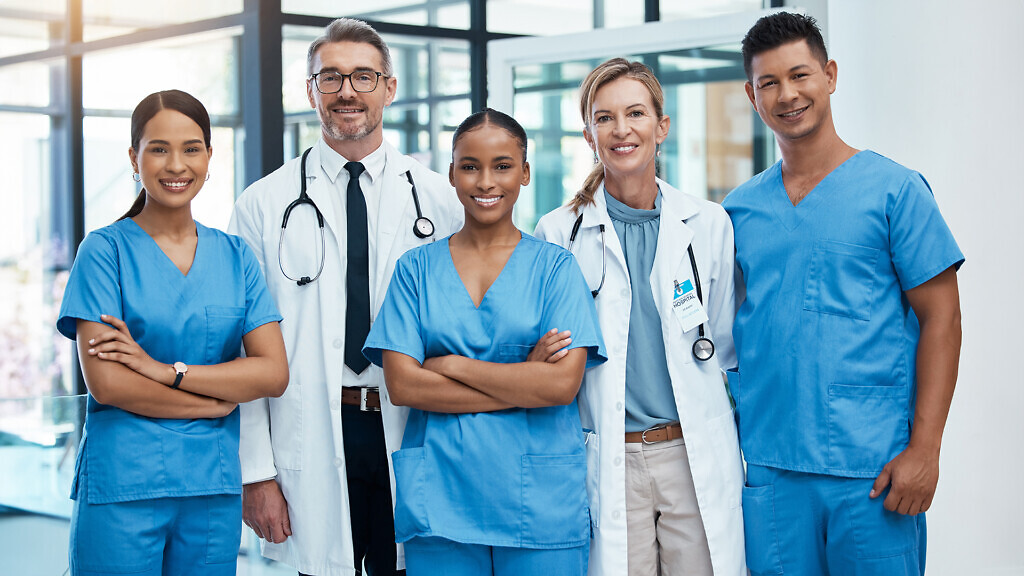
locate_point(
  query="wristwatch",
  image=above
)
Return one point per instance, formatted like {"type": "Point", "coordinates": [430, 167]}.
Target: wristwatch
{"type": "Point", "coordinates": [180, 368]}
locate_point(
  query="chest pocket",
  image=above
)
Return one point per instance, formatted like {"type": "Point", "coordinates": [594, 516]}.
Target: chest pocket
{"type": "Point", "coordinates": [841, 279]}
{"type": "Point", "coordinates": [223, 333]}
{"type": "Point", "coordinates": [513, 353]}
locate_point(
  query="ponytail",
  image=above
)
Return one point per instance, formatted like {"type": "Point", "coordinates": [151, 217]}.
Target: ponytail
{"type": "Point", "coordinates": [586, 194]}
{"type": "Point", "coordinates": [136, 208]}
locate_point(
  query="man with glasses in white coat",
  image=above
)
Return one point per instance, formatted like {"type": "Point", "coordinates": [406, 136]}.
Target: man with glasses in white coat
{"type": "Point", "coordinates": [315, 462]}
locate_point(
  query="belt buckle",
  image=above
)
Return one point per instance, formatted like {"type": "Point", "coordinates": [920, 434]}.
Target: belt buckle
{"type": "Point", "coordinates": [643, 435]}
{"type": "Point", "coordinates": [362, 401]}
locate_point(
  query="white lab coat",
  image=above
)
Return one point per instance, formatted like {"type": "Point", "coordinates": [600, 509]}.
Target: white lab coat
{"type": "Point", "coordinates": [701, 399]}
{"type": "Point", "coordinates": [297, 437]}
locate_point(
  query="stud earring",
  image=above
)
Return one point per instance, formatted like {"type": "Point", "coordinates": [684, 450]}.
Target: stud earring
{"type": "Point", "coordinates": [136, 177]}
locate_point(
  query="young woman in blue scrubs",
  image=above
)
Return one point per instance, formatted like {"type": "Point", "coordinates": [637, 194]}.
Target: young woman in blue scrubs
{"type": "Point", "coordinates": [491, 475]}
{"type": "Point", "coordinates": [160, 307]}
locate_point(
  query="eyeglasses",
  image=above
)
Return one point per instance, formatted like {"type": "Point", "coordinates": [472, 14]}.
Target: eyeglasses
{"type": "Point", "coordinates": [332, 82]}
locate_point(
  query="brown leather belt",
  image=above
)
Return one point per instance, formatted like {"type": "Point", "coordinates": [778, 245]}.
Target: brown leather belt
{"type": "Point", "coordinates": [368, 399]}
{"type": "Point", "coordinates": [654, 435]}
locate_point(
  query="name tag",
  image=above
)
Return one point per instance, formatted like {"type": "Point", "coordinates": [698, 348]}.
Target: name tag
{"type": "Point", "coordinates": [686, 306]}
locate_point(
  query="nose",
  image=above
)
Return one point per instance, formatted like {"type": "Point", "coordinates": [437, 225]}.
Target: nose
{"type": "Point", "coordinates": [620, 128]}
{"type": "Point", "coordinates": [175, 162]}
{"type": "Point", "coordinates": [347, 91]}
{"type": "Point", "coordinates": [787, 91]}
{"type": "Point", "coordinates": [486, 180]}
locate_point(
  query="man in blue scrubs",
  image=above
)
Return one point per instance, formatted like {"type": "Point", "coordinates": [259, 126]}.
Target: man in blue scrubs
{"type": "Point", "coordinates": [849, 335]}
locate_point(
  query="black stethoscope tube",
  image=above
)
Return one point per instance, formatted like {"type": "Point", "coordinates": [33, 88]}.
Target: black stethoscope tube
{"type": "Point", "coordinates": [703, 348]}
{"type": "Point", "coordinates": [422, 227]}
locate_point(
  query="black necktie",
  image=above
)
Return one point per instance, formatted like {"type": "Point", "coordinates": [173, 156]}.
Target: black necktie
{"type": "Point", "coordinates": [357, 277]}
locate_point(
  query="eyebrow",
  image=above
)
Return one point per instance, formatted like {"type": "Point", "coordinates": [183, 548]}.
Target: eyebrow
{"type": "Point", "coordinates": [166, 143]}
{"type": "Point", "coordinates": [356, 69]}
{"type": "Point", "coordinates": [472, 159]}
{"type": "Point", "coordinates": [631, 106]}
{"type": "Point", "coordinates": [793, 69]}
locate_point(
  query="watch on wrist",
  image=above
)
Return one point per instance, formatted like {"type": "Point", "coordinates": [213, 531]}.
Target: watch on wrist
{"type": "Point", "coordinates": [180, 368]}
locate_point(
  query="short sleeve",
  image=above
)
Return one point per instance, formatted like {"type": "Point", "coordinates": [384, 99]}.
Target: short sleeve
{"type": "Point", "coordinates": [397, 326]}
{"type": "Point", "coordinates": [569, 305]}
{"type": "Point", "coordinates": [921, 243]}
{"type": "Point", "coordinates": [94, 285]}
{"type": "Point", "coordinates": [259, 305]}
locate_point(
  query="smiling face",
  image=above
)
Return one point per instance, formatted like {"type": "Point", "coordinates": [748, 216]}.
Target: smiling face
{"type": "Point", "coordinates": [487, 171]}
{"type": "Point", "coordinates": [790, 89]}
{"type": "Point", "coordinates": [349, 115]}
{"type": "Point", "coordinates": [172, 159]}
{"type": "Point", "coordinates": [624, 129]}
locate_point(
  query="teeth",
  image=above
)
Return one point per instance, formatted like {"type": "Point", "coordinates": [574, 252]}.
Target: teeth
{"type": "Point", "coordinates": [490, 201]}
{"type": "Point", "coordinates": [793, 113]}
{"type": "Point", "coordinates": [623, 148]}
{"type": "Point", "coordinates": [175, 185]}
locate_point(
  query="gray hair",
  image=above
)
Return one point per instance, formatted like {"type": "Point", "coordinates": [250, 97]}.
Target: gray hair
{"type": "Point", "coordinates": [351, 30]}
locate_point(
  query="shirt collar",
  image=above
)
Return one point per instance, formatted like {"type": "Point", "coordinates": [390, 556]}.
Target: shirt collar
{"type": "Point", "coordinates": [623, 213]}
{"type": "Point", "coordinates": [333, 163]}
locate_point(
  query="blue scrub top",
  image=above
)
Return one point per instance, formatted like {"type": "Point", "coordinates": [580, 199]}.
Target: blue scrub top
{"type": "Point", "coordinates": [197, 319]}
{"type": "Point", "coordinates": [509, 478]}
{"type": "Point", "coordinates": [826, 340]}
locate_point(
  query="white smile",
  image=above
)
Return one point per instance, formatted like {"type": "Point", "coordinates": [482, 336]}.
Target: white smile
{"type": "Point", "coordinates": [625, 148]}
{"type": "Point", "coordinates": [793, 113]}
{"type": "Point", "coordinates": [486, 200]}
{"type": "Point", "coordinates": [175, 185]}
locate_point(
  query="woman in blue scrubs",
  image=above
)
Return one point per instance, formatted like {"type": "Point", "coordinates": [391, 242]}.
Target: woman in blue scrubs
{"type": "Point", "coordinates": [491, 475]}
{"type": "Point", "coordinates": [160, 307]}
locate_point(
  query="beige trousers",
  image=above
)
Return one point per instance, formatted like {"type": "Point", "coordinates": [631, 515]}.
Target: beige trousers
{"type": "Point", "coordinates": [665, 532]}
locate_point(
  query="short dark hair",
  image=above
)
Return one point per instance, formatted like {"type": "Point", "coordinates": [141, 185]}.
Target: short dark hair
{"type": "Point", "coordinates": [351, 30]}
{"type": "Point", "coordinates": [496, 118]}
{"type": "Point", "coordinates": [780, 28]}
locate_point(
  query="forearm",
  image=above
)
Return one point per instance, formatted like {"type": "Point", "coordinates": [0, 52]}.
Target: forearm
{"type": "Point", "coordinates": [126, 389]}
{"type": "Point", "coordinates": [240, 380]}
{"type": "Point", "coordinates": [938, 359]}
{"type": "Point", "coordinates": [409, 384]}
{"type": "Point", "coordinates": [523, 384]}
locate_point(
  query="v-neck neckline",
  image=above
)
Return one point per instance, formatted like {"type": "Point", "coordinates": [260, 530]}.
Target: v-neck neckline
{"type": "Point", "coordinates": [497, 279]}
{"type": "Point", "coordinates": [790, 215]}
{"type": "Point", "coordinates": [167, 259]}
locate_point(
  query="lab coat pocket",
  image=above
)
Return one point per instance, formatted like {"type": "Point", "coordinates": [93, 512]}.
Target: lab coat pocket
{"type": "Point", "coordinates": [840, 279]}
{"type": "Point", "coordinates": [593, 444]}
{"type": "Point", "coordinates": [223, 333]}
{"type": "Point", "coordinates": [411, 517]}
{"type": "Point", "coordinates": [867, 426]}
{"type": "Point", "coordinates": [554, 504]}
{"type": "Point", "coordinates": [762, 535]}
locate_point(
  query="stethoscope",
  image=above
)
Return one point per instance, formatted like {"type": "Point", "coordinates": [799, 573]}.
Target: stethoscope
{"type": "Point", "coordinates": [703, 348]}
{"type": "Point", "coordinates": [422, 227]}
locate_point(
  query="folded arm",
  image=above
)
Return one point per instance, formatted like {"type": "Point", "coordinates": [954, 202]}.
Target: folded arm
{"type": "Point", "coordinates": [410, 384]}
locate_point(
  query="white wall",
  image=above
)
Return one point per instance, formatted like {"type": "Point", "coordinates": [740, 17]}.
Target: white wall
{"type": "Point", "coordinates": [938, 85]}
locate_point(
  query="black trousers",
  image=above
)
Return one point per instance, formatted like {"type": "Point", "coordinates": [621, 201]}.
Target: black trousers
{"type": "Point", "coordinates": [369, 492]}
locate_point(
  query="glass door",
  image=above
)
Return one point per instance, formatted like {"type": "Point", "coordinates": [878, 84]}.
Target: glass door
{"type": "Point", "coordinates": [716, 141]}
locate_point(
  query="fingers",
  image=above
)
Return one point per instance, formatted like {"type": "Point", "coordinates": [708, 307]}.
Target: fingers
{"type": "Point", "coordinates": [557, 356]}
{"type": "Point", "coordinates": [115, 322]}
{"type": "Point", "coordinates": [881, 482]}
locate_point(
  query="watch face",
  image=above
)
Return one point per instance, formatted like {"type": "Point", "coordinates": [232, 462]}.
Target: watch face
{"type": "Point", "coordinates": [180, 367]}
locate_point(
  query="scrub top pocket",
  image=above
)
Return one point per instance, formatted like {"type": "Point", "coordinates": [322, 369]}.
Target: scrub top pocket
{"type": "Point", "coordinates": [555, 501]}
{"type": "Point", "coordinates": [223, 333]}
{"type": "Point", "coordinates": [867, 426]}
{"type": "Point", "coordinates": [411, 517]}
{"type": "Point", "coordinates": [840, 279]}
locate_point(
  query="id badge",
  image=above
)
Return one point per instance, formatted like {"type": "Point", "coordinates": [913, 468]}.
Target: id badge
{"type": "Point", "coordinates": [686, 306]}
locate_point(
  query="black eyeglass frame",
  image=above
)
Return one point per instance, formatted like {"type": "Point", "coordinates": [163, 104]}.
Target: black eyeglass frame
{"type": "Point", "coordinates": [316, 81]}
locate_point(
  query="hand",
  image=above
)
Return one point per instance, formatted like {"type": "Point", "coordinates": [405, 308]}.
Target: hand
{"type": "Point", "coordinates": [265, 511]}
{"type": "Point", "coordinates": [118, 346]}
{"type": "Point", "coordinates": [552, 347]}
{"type": "Point", "coordinates": [913, 475]}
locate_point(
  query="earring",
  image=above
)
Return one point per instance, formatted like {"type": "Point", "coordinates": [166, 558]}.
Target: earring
{"type": "Point", "coordinates": [207, 177]}
{"type": "Point", "coordinates": [136, 177]}
{"type": "Point", "coordinates": [657, 150]}
{"type": "Point", "coordinates": [596, 159]}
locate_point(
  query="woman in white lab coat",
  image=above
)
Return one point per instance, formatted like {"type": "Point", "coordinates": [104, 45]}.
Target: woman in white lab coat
{"type": "Point", "coordinates": [664, 468]}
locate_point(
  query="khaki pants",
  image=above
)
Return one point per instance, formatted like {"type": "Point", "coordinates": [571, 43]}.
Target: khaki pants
{"type": "Point", "coordinates": [665, 532]}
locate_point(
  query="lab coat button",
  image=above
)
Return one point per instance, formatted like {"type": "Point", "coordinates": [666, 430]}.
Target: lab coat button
{"type": "Point", "coordinates": [337, 462]}
{"type": "Point", "coordinates": [618, 406]}
{"type": "Point", "coordinates": [618, 461]}
{"type": "Point", "coordinates": [625, 293]}
{"type": "Point", "coordinates": [616, 514]}
{"type": "Point", "coordinates": [337, 343]}
{"type": "Point", "coordinates": [335, 404]}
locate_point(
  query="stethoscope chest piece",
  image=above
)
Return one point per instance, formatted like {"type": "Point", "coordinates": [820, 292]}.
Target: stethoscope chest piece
{"type": "Point", "coordinates": [703, 349]}
{"type": "Point", "coordinates": [423, 227]}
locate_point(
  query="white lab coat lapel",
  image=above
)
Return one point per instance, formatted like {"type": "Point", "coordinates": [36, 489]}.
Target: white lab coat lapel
{"type": "Point", "coordinates": [396, 195]}
{"type": "Point", "coordinates": [595, 214]}
{"type": "Point", "coordinates": [671, 262]}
